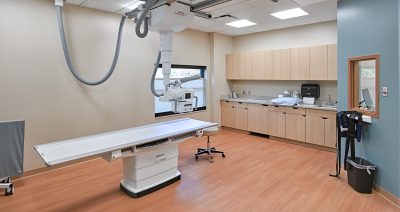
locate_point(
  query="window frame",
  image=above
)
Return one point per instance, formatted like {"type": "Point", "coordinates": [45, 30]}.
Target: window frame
{"type": "Point", "coordinates": [203, 71]}
{"type": "Point", "coordinates": [353, 84]}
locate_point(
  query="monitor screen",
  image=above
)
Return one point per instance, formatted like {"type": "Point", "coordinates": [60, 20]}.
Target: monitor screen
{"type": "Point", "coordinates": [367, 97]}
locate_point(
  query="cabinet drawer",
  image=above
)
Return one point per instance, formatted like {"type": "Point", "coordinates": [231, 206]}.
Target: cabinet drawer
{"type": "Point", "coordinates": [277, 108]}
{"type": "Point", "coordinates": [227, 103]}
{"type": "Point", "coordinates": [321, 113]}
{"type": "Point", "coordinates": [240, 105]}
{"type": "Point", "coordinates": [296, 110]}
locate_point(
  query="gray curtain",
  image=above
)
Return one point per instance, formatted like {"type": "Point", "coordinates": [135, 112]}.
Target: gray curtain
{"type": "Point", "coordinates": [11, 148]}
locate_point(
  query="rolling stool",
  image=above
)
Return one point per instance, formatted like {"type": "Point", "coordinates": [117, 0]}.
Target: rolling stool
{"type": "Point", "coordinates": [211, 131]}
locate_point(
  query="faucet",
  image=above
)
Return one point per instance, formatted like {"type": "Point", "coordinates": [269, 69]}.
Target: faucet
{"type": "Point", "coordinates": [330, 103]}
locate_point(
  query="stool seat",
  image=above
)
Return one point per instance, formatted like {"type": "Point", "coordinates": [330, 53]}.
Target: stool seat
{"type": "Point", "coordinates": [210, 131]}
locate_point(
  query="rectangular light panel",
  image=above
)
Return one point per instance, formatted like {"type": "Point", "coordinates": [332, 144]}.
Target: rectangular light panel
{"type": "Point", "coordinates": [241, 23]}
{"type": "Point", "coordinates": [292, 13]}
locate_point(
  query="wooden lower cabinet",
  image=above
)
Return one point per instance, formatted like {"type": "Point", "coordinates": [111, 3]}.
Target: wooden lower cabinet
{"type": "Point", "coordinates": [227, 114]}
{"type": "Point", "coordinates": [277, 123]}
{"type": "Point", "coordinates": [240, 118]}
{"type": "Point", "coordinates": [258, 118]}
{"type": "Point", "coordinates": [305, 125]}
{"type": "Point", "coordinates": [296, 127]}
{"type": "Point", "coordinates": [321, 131]}
{"type": "Point", "coordinates": [330, 132]}
{"type": "Point", "coordinates": [315, 130]}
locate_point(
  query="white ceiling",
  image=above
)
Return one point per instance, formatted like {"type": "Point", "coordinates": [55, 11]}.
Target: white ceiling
{"type": "Point", "coordinates": [257, 11]}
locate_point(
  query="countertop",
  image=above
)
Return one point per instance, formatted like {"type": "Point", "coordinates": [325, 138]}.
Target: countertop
{"type": "Point", "coordinates": [267, 101]}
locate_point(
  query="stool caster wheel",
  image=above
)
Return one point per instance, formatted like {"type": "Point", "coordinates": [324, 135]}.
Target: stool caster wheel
{"type": "Point", "coordinates": [223, 155]}
{"type": "Point", "coordinates": [10, 191]}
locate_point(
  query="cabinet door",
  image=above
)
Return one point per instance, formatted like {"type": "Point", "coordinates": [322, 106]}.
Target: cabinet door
{"type": "Point", "coordinates": [227, 115]}
{"type": "Point", "coordinates": [281, 64]}
{"type": "Point", "coordinates": [229, 66]}
{"type": "Point", "coordinates": [315, 130]}
{"type": "Point", "coordinates": [240, 118]}
{"type": "Point", "coordinates": [258, 118]}
{"type": "Point", "coordinates": [268, 65]}
{"type": "Point", "coordinates": [296, 127]}
{"type": "Point", "coordinates": [332, 62]}
{"type": "Point", "coordinates": [242, 66]}
{"type": "Point", "coordinates": [300, 63]}
{"type": "Point", "coordinates": [319, 62]}
{"type": "Point", "coordinates": [276, 123]}
{"type": "Point", "coordinates": [236, 66]}
{"type": "Point", "coordinates": [259, 72]}
{"type": "Point", "coordinates": [249, 66]}
{"type": "Point", "coordinates": [330, 132]}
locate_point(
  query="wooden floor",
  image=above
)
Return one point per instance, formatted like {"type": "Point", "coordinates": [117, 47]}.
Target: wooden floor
{"type": "Point", "coordinates": [257, 175]}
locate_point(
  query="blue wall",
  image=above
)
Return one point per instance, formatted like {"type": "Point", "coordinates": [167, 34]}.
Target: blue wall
{"type": "Point", "coordinates": [372, 27]}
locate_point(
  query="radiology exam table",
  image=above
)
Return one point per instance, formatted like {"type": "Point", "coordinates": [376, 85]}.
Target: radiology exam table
{"type": "Point", "coordinates": [149, 153]}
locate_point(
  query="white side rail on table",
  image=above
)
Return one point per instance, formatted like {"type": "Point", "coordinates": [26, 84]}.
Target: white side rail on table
{"type": "Point", "coordinates": [149, 153]}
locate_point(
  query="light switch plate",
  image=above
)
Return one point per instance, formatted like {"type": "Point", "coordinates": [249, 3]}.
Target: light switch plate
{"type": "Point", "coordinates": [384, 91]}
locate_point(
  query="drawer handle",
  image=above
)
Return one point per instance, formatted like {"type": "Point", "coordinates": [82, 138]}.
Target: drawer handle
{"type": "Point", "coordinates": [265, 105]}
{"type": "Point", "coordinates": [324, 118]}
{"type": "Point", "coordinates": [239, 102]}
{"type": "Point", "coordinates": [227, 101]}
{"type": "Point", "coordinates": [295, 108]}
{"type": "Point", "coordinates": [304, 115]}
{"type": "Point", "coordinates": [284, 113]}
{"type": "Point", "coordinates": [276, 106]}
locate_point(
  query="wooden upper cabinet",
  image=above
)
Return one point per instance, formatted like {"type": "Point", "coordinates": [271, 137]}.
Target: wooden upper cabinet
{"type": "Point", "coordinates": [300, 63]}
{"type": "Point", "coordinates": [281, 64]}
{"type": "Point", "coordinates": [249, 66]}
{"type": "Point", "coordinates": [245, 63]}
{"type": "Point", "coordinates": [236, 65]}
{"type": "Point", "coordinates": [319, 62]}
{"type": "Point", "coordinates": [259, 68]}
{"type": "Point", "coordinates": [332, 62]}
{"type": "Point", "coordinates": [306, 63]}
{"type": "Point", "coordinates": [229, 66]}
{"type": "Point", "coordinates": [268, 65]}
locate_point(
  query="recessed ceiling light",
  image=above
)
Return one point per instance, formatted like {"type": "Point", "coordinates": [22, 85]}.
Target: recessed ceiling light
{"type": "Point", "coordinates": [286, 14]}
{"type": "Point", "coordinates": [241, 23]}
{"type": "Point", "coordinates": [135, 5]}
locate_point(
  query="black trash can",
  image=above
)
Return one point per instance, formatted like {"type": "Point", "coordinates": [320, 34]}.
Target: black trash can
{"type": "Point", "coordinates": [360, 174]}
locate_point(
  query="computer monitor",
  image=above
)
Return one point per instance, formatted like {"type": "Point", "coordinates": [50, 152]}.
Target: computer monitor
{"type": "Point", "coordinates": [367, 98]}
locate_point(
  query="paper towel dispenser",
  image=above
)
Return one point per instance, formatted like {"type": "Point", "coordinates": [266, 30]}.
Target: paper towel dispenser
{"type": "Point", "coordinates": [310, 90]}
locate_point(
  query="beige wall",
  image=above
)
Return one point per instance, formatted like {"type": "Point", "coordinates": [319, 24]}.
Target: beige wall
{"type": "Point", "coordinates": [220, 46]}
{"type": "Point", "coordinates": [300, 36]}
{"type": "Point", "coordinates": [35, 84]}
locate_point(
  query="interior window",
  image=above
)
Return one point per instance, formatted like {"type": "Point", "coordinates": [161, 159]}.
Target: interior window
{"type": "Point", "coordinates": [178, 72]}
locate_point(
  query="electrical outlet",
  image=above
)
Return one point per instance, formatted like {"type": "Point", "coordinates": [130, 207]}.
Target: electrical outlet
{"type": "Point", "coordinates": [385, 91]}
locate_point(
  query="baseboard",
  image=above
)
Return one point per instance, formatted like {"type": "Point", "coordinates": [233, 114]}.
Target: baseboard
{"type": "Point", "coordinates": [52, 168]}
{"type": "Point", "coordinates": [387, 195]}
{"type": "Point", "coordinates": [303, 144]}
{"type": "Point", "coordinates": [235, 130]}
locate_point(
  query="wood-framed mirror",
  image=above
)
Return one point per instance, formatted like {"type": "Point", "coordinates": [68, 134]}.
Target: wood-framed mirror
{"type": "Point", "coordinates": [363, 91]}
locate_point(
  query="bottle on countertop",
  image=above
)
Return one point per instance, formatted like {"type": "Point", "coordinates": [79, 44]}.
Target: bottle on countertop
{"type": "Point", "coordinates": [234, 95]}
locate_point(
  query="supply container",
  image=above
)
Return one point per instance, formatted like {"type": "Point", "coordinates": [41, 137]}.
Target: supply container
{"type": "Point", "coordinates": [360, 174]}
